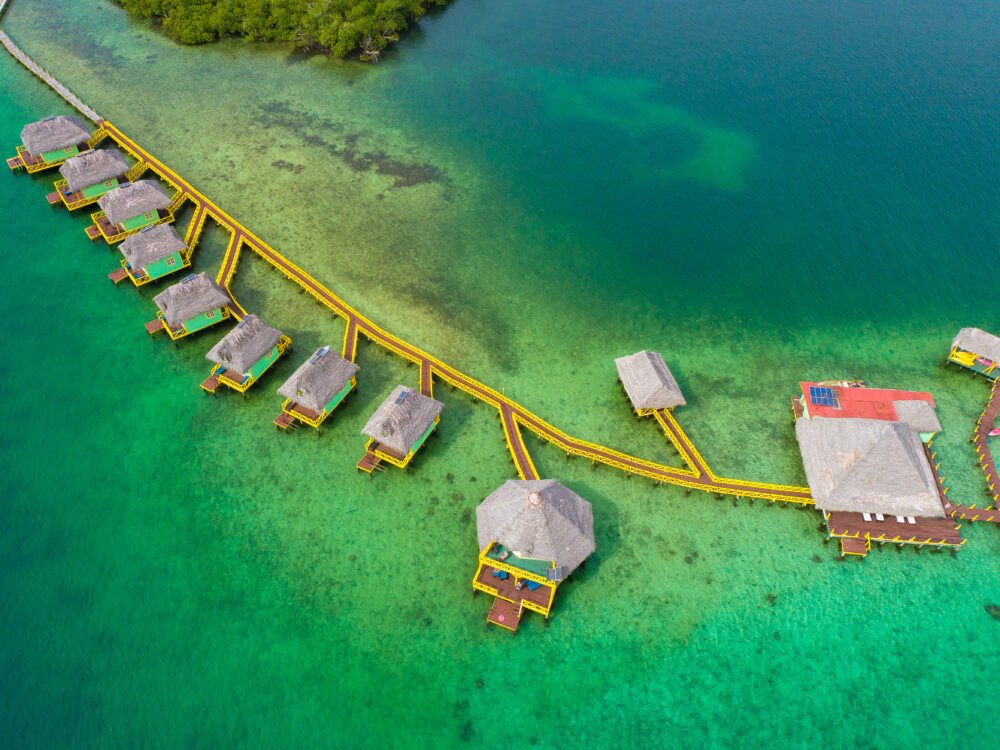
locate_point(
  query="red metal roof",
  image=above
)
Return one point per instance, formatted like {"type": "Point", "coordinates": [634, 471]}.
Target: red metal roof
{"type": "Point", "coordinates": [862, 403]}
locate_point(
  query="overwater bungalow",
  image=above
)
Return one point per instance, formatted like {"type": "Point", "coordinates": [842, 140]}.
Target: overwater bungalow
{"type": "Point", "coordinates": [977, 350]}
{"type": "Point", "coordinates": [532, 535]}
{"type": "Point", "coordinates": [194, 303]}
{"type": "Point", "coordinates": [316, 388]}
{"type": "Point", "coordinates": [89, 176]}
{"type": "Point", "coordinates": [129, 208]}
{"type": "Point", "coordinates": [648, 382]}
{"type": "Point", "coordinates": [869, 467]}
{"type": "Point", "coordinates": [151, 254]}
{"type": "Point", "coordinates": [399, 427]}
{"type": "Point", "coordinates": [49, 142]}
{"type": "Point", "coordinates": [245, 354]}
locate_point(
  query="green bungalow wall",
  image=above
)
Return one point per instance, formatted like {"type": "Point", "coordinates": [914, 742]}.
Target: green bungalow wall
{"type": "Point", "coordinates": [167, 265]}
{"type": "Point", "coordinates": [335, 401]}
{"type": "Point", "coordinates": [62, 153]}
{"type": "Point", "coordinates": [136, 222]}
{"type": "Point", "coordinates": [419, 443]}
{"type": "Point", "coordinates": [204, 320]}
{"type": "Point", "coordinates": [258, 367]}
{"type": "Point", "coordinates": [99, 189]}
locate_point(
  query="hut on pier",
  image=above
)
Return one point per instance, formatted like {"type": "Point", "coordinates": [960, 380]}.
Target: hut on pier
{"type": "Point", "coordinates": [129, 208]}
{"type": "Point", "coordinates": [977, 350]}
{"type": "Point", "coordinates": [50, 142]}
{"type": "Point", "coordinates": [244, 354]}
{"type": "Point", "coordinates": [153, 253]}
{"type": "Point", "coordinates": [316, 388]}
{"type": "Point", "coordinates": [648, 382]}
{"type": "Point", "coordinates": [196, 302]}
{"type": "Point", "coordinates": [532, 535]}
{"type": "Point", "coordinates": [400, 426]}
{"type": "Point", "coordinates": [89, 176]}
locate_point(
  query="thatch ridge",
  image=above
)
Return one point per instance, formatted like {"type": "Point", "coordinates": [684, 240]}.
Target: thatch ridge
{"type": "Point", "coordinates": [193, 296]}
{"type": "Point", "coordinates": [398, 426]}
{"type": "Point", "coordinates": [539, 519]}
{"type": "Point", "coordinates": [318, 379]}
{"type": "Point", "coordinates": [151, 245]}
{"type": "Point", "coordinates": [93, 167]}
{"type": "Point", "coordinates": [54, 133]}
{"type": "Point", "coordinates": [128, 201]}
{"type": "Point", "coordinates": [648, 381]}
{"type": "Point", "coordinates": [243, 346]}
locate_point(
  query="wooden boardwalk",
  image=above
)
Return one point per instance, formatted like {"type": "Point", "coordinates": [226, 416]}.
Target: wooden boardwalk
{"type": "Point", "coordinates": [981, 438]}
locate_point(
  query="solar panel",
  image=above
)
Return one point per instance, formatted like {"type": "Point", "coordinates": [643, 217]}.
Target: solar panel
{"type": "Point", "coordinates": [402, 397]}
{"type": "Point", "coordinates": [823, 396]}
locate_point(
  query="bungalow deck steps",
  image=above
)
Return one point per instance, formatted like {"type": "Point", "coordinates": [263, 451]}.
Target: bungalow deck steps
{"type": "Point", "coordinates": [369, 462]}
{"type": "Point", "coordinates": [15, 163]}
{"type": "Point", "coordinates": [284, 421]}
{"type": "Point", "coordinates": [118, 276]}
{"type": "Point", "coordinates": [154, 325]}
{"type": "Point", "coordinates": [210, 384]}
{"type": "Point", "coordinates": [53, 198]}
{"type": "Point", "coordinates": [93, 232]}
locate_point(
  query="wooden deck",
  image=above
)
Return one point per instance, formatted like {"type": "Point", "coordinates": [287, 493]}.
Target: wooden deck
{"type": "Point", "coordinates": [118, 276]}
{"type": "Point", "coordinates": [505, 614]}
{"type": "Point", "coordinates": [153, 326]}
{"type": "Point", "coordinates": [14, 163]}
{"type": "Point", "coordinates": [210, 384]}
{"type": "Point", "coordinates": [508, 589]}
{"type": "Point", "coordinates": [854, 546]}
{"type": "Point", "coordinates": [284, 420]}
{"type": "Point", "coordinates": [943, 531]}
{"type": "Point", "coordinates": [369, 462]}
{"type": "Point", "coordinates": [54, 198]}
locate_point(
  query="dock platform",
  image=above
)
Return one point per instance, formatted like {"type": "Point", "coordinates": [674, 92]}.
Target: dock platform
{"type": "Point", "coordinates": [505, 614]}
{"type": "Point", "coordinates": [153, 326]}
{"type": "Point", "coordinates": [14, 163]}
{"type": "Point", "coordinates": [53, 198]}
{"type": "Point", "coordinates": [118, 276]}
{"type": "Point", "coordinates": [210, 384]}
{"type": "Point", "coordinates": [369, 462]}
{"type": "Point", "coordinates": [284, 420]}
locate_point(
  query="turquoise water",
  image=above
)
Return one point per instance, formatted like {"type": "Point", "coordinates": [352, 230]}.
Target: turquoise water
{"type": "Point", "coordinates": [766, 192]}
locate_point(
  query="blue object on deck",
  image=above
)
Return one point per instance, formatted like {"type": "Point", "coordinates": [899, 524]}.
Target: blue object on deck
{"type": "Point", "coordinates": [532, 585]}
{"type": "Point", "coordinates": [504, 575]}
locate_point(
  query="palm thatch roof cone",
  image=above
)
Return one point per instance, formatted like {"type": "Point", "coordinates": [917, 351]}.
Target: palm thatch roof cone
{"type": "Point", "coordinates": [539, 519]}
{"type": "Point", "coordinates": [978, 341]}
{"type": "Point", "coordinates": [54, 133]}
{"type": "Point", "coordinates": [193, 296]}
{"type": "Point", "coordinates": [402, 419]}
{"type": "Point", "coordinates": [319, 379]}
{"type": "Point", "coordinates": [648, 381]}
{"type": "Point", "coordinates": [151, 245]}
{"type": "Point", "coordinates": [128, 201]}
{"type": "Point", "coordinates": [93, 167]}
{"type": "Point", "coordinates": [867, 466]}
{"type": "Point", "coordinates": [243, 346]}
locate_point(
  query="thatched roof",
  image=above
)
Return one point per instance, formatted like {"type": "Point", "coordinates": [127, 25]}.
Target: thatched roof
{"type": "Point", "coordinates": [54, 133]}
{"type": "Point", "coordinates": [867, 465]}
{"type": "Point", "coordinates": [538, 519]}
{"type": "Point", "coordinates": [978, 342]}
{"type": "Point", "coordinates": [318, 379]}
{"type": "Point", "coordinates": [921, 416]}
{"type": "Point", "coordinates": [402, 419]}
{"type": "Point", "coordinates": [150, 245]}
{"type": "Point", "coordinates": [648, 381]}
{"type": "Point", "coordinates": [240, 349]}
{"type": "Point", "coordinates": [128, 201]}
{"type": "Point", "coordinates": [93, 167]}
{"type": "Point", "coordinates": [193, 296]}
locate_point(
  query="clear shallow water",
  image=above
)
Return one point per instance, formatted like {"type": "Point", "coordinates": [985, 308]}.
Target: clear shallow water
{"type": "Point", "coordinates": [766, 194]}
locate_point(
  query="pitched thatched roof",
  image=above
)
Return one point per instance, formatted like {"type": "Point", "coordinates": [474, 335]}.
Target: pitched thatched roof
{"type": "Point", "coordinates": [318, 379]}
{"type": "Point", "coordinates": [867, 465]}
{"type": "Point", "coordinates": [402, 419]}
{"type": "Point", "coordinates": [921, 416]}
{"type": "Point", "coordinates": [193, 296]}
{"type": "Point", "coordinates": [978, 342]}
{"type": "Point", "coordinates": [648, 381]}
{"type": "Point", "coordinates": [538, 519]}
{"type": "Point", "coordinates": [93, 167]}
{"type": "Point", "coordinates": [53, 133]}
{"type": "Point", "coordinates": [240, 349]}
{"type": "Point", "coordinates": [128, 201]}
{"type": "Point", "coordinates": [150, 245]}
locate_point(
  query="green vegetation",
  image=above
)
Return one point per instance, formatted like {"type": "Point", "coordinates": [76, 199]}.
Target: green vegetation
{"type": "Point", "coordinates": [336, 26]}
